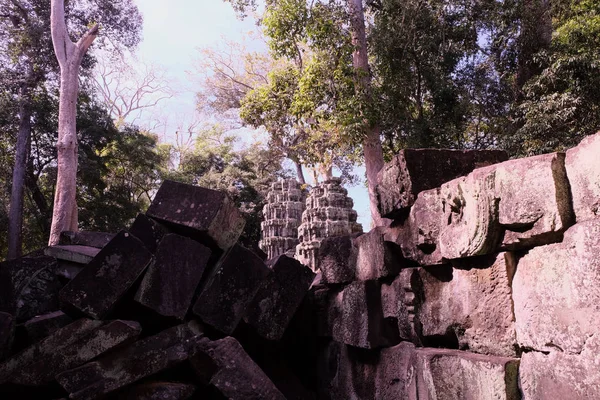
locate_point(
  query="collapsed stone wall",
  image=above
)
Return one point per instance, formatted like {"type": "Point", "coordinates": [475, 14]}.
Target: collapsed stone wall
{"type": "Point", "coordinates": [328, 213]}
{"type": "Point", "coordinates": [282, 217]}
{"type": "Point", "coordinates": [486, 285]}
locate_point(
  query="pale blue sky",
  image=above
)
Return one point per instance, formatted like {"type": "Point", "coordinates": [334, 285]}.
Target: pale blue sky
{"type": "Point", "coordinates": [174, 29]}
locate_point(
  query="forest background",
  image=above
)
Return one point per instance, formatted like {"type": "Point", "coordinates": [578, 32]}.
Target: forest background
{"type": "Point", "coordinates": [283, 99]}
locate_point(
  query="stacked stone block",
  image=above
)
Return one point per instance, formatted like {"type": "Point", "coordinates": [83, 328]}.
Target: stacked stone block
{"type": "Point", "coordinates": [328, 213]}
{"type": "Point", "coordinates": [282, 216]}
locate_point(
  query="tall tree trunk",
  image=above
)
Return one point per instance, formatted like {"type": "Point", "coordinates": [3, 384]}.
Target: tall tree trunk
{"type": "Point", "coordinates": [15, 215]}
{"type": "Point", "coordinates": [372, 149]}
{"type": "Point", "coordinates": [31, 181]}
{"type": "Point", "coordinates": [299, 172]}
{"type": "Point", "coordinates": [69, 55]}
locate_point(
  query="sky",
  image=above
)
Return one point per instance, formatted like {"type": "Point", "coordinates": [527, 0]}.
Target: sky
{"type": "Point", "coordinates": [172, 32]}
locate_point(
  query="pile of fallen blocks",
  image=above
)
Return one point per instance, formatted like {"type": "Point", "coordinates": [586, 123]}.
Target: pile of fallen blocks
{"type": "Point", "coordinates": [172, 308]}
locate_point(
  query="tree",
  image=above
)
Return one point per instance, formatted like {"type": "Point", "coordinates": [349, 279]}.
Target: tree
{"type": "Point", "coordinates": [70, 56]}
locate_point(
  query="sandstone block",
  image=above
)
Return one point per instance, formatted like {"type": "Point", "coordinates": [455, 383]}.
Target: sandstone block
{"type": "Point", "coordinates": [395, 377]}
{"type": "Point", "coordinates": [42, 326]}
{"type": "Point", "coordinates": [279, 297]}
{"type": "Point", "coordinates": [72, 253]}
{"type": "Point", "coordinates": [470, 221]}
{"type": "Point", "coordinates": [95, 343]}
{"type": "Point", "coordinates": [86, 238]}
{"type": "Point", "coordinates": [198, 211]}
{"type": "Point", "coordinates": [419, 236]}
{"type": "Point", "coordinates": [7, 332]}
{"type": "Point", "coordinates": [559, 375]}
{"type": "Point", "coordinates": [29, 287]}
{"type": "Point", "coordinates": [415, 170]}
{"type": "Point", "coordinates": [149, 231]}
{"type": "Point", "coordinates": [137, 361]}
{"type": "Point", "coordinates": [459, 375]}
{"type": "Point", "coordinates": [555, 292]}
{"type": "Point", "coordinates": [471, 304]}
{"type": "Point", "coordinates": [337, 259]}
{"type": "Point", "coordinates": [55, 343]}
{"type": "Point", "coordinates": [170, 283]}
{"type": "Point", "coordinates": [230, 289]}
{"type": "Point", "coordinates": [99, 286]}
{"type": "Point", "coordinates": [158, 391]}
{"type": "Point", "coordinates": [357, 317]}
{"type": "Point", "coordinates": [399, 302]}
{"type": "Point", "coordinates": [535, 202]}
{"type": "Point", "coordinates": [376, 258]}
{"type": "Point", "coordinates": [583, 171]}
{"type": "Point", "coordinates": [237, 376]}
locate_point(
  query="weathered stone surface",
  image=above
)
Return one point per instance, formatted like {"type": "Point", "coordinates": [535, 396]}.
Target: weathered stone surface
{"type": "Point", "coordinates": [237, 376]}
{"type": "Point", "coordinates": [328, 213]}
{"type": "Point", "coordinates": [95, 343]}
{"type": "Point", "coordinates": [192, 209]}
{"type": "Point", "coordinates": [158, 391]}
{"type": "Point", "coordinates": [472, 303]}
{"type": "Point", "coordinates": [395, 377]}
{"type": "Point", "coordinates": [560, 375]}
{"type": "Point", "coordinates": [67, 269]}
{"type": "Point", "coordinates": [279, 297]}
{"type": "Point", "coordinates": [99, 286]}
{"type": "Point", "coordinates": [29, 287]}
{"type": "Point", "coordinates": [356, 317]}
{"type": "Point", "coordinates": [583, 171]}
{"type": "Point", "coordinates": [470, 222]}
{"type": "Point", "coordinates": [337, 259]}
{"type": "Point", "coordinates": [399, 302]}
{"type": "Point", "coordinates": [555, 292]}
{"type": "Point", "coordinates": [376, 258]}
{"type": "Point", "coordinates": [418, 236]}
{"type": "Point", "coordinates": [56, 343]}
{"type": "Point", "coordinates": [72, 253]}
{"type": "Point", "coordinates": [535, 202]}
{"type": "Point", "coordinates": [7, 332]}
{"type": "Point", "coordinates": [137, 361]}
{"type": "Point", "coordinates": [170, 283]}
{"type": "Point", "coordinates": [283, 214]}
{"type": "Point", "coordinates": [459, 375]}
{"type": "Point", "coordinates": [230, 289]}
{"type": "Point", "coordinates": [149, 231]}
{"type": "Point", "coordinates": [86, 238]}
{"type": "Point", "coordinates": [415, 170]}
{"type": "Point", "coordinates": [41, 326]}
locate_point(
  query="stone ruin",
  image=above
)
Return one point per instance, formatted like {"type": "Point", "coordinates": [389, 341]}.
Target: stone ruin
{"type": "Point", "coordinates": [282, 216]}
{"type": "Point", "coordinates": [486, 286]}
{"type": "Point", "coordinates": [328, 213]}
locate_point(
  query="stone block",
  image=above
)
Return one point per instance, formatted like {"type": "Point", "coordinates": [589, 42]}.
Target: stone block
{"type": "Point", "coordinates": [560, 375]}
{"type": "Point", "coordinates": [357, 317]}
{"type": "Point", "coordinates": [470, 221]}
{"type": "Point", "coordinates": [42, 326]}
{"type": "Point", "coordinates": [470, 304]}
{"type": "Point", "coordinates": [86, 238]}
{"type": "Point", "coordinates": [198, 211]}
{"type": "Point", "coordinates": [535, 201]}
{"type": "Point", "coordinates": [97, 342]}
{"type": "Point", "coordinates": [158, 391]}
{"type": "Point", "coordinates": [459, 375]}
{"type": "Point", "coordinates": [418, 236]}
{"type": "Point", "coordinates": [279, 297]}
{"type": "Point", "coordinates": [395, 377]}
{"type": "Point", "coordinates": [105, 280]}
{"type": "Point", "coordinates": [7, 334]}
{"type": "Point", "coordinates": [237, 377]}
{"type": "Point", "coordinates": [230, 289]}
{"type": "Point", "coordinates": [376, 258]}
{"type": "Point", "coordinates": [337, 259]}
{"type": "Point", "coordinates": [29, 287]}
{"type": "Point", "coordinates": [583, 170]}
{"type": "Point", "coordinates": [72, 253]}
{"type": "Point", "coordinates": [149, 231]}
{"type": "Point", "coordinates": [414, 170]}
{"type": "Point", "coordinates": [170, 283]}
{"type": "Point", "coordinates": [55, 343]}
{"type": "Point", "coordinates": [399, 303]}
{"type": "Point", "coordinates": [133, 363]}
{"type": "Point", "coordinates": [555, 292]}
